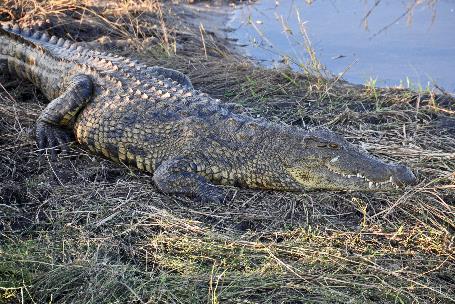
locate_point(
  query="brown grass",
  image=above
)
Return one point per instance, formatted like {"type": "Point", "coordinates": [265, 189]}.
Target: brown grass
{"type": "Point", "coordinates": [84, 230]}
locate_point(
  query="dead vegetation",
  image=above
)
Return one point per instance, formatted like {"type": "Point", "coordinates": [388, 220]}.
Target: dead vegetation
{"type": "Point", "coordinates": [84, 230]}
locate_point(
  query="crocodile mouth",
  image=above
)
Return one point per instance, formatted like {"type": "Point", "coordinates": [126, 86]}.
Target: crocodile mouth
{"type": "Point", "coordinates": [327, 177]}
{"type": "Point", "coordinates": [324, 178]}
{"type": "Point", "coordinates": [359, 180]}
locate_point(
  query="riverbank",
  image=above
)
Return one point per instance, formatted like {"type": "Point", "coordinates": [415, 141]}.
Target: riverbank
{"type": "Point", "coordinates": [84, 230]}
{"type": "Point", "coordinates": [387, 43]}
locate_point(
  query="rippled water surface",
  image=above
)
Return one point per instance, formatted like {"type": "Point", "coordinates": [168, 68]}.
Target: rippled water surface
{"type": "Point", "coordinates": [400, 42]}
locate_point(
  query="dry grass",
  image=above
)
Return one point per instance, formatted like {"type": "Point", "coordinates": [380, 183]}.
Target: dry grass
{"type": "Point", "coordinates": [84, 230]}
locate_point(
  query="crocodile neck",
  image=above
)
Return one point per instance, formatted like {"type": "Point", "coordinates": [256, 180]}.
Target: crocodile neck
{"type": "Point", "coordinates": [255, 149]}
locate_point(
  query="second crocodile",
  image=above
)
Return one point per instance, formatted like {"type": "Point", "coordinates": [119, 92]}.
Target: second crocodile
{"type": "Point", "coordinates": [153, 119]}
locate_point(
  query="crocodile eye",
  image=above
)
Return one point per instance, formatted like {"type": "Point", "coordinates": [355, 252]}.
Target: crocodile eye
{"type": "Point", "coordinates": [328, 145]}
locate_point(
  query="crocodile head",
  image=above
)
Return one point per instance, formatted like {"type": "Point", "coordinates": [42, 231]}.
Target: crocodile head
{"type": "Point", "coordinates": [325, 160]}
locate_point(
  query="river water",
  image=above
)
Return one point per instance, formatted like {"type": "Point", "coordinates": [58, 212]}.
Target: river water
{"type": "Point", "coordinates": [403, 43]}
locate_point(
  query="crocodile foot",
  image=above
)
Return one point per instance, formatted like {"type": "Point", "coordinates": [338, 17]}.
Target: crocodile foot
{"type": "Point", "coordinates": [51, 137]}
{"type": "Point", "coordinates": [175, 177]}
{"type": "Point", "coordinates": [210, 194]}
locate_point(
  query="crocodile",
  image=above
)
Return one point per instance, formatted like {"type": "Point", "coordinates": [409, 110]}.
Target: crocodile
{"type": "Point", "coordinates": [153, 119]}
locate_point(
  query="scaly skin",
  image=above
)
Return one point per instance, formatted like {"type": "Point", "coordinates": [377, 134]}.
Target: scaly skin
{"type": "Point", "coordinates": [153, 119]}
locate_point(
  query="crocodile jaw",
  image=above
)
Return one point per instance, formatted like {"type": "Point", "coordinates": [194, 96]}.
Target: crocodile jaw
{"type": "Point", "coordinates": [390, 177]}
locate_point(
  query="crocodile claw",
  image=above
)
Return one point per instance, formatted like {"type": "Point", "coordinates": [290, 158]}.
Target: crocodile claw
{"type": "Point", "coordinates": [51, 137]}
{"type": "Point", "coordinates": [211, 194]}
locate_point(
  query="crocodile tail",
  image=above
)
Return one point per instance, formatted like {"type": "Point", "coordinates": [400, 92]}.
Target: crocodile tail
{"type": "Point", "coordinates": [40, 40]}
{"type": "Point", "coordinates": [22, 35]}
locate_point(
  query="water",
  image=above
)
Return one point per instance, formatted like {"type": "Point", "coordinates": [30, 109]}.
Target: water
{"type": "Point", "coordinates": [389, 52]}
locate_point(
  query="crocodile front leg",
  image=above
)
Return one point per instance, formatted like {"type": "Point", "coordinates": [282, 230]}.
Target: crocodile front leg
{"type": "Point", "coordinates": [55, 118]}
{"type": "Point", "coordinates": [178, 176]}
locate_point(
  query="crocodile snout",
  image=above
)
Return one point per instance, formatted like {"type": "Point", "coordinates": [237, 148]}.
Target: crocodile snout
{"type": "Point", "coordinates": [403, 176]}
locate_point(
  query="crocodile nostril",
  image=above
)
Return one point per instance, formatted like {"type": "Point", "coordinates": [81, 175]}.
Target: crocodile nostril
{"type": "Point", "coordinates": [403, 176]}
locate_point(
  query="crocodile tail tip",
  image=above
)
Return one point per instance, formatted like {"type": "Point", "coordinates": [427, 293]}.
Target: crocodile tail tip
{"type": "Point", "coordinates": [13, 27]}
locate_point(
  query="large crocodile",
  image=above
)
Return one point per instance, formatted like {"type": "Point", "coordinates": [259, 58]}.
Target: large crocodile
{"type": "Point", "coordinates": [153, 119]}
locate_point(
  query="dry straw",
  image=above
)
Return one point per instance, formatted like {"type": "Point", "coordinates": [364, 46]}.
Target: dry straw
{"type": "Point", "coordinates": [84, 230]}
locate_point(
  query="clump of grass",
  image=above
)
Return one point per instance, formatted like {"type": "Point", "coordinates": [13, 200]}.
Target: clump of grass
{"type": "Point", "coordinates": [82, 229]}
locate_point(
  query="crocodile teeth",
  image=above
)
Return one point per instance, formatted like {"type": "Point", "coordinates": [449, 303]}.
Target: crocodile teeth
{"type": "Point", "coordinates": [335, 159]}
{"type": "Point", "coordinates": [391, 179]}
{"type": "Point", "coordinates": [370, 185]}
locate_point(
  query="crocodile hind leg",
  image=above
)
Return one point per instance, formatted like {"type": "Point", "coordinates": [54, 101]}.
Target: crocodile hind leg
{"type": "Point", "coordinates": [178, 176]}
{"type": "Point", "coordinates": [51, 127]}
{"type": "Point", "coordinates": [172, 74]}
